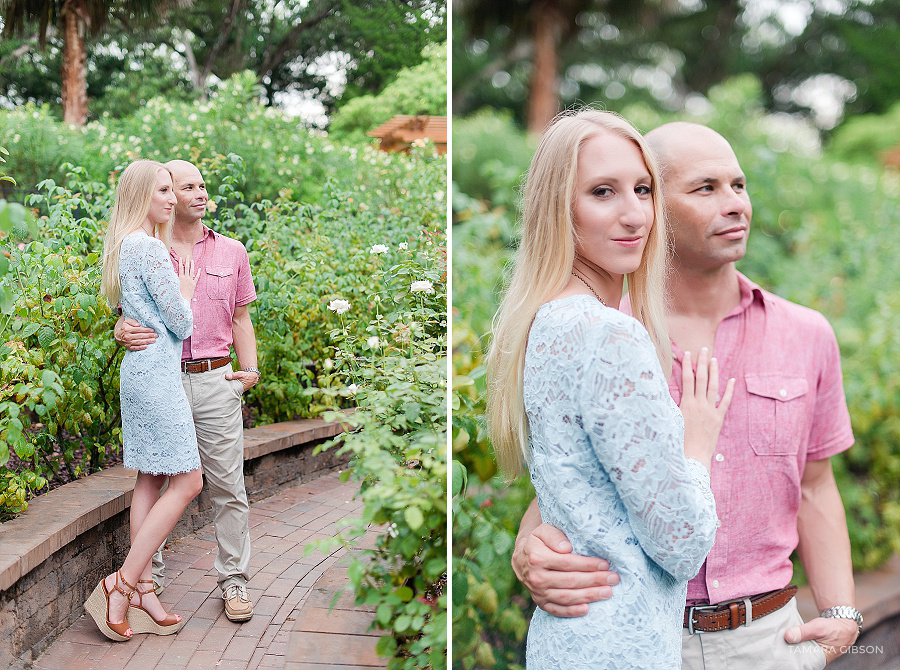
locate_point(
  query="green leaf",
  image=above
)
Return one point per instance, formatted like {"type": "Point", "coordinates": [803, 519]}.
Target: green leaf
{"type": "Point", "coordinates": [5, 221]}
{"type": "Point", "coordinates": [46, 336]}
{"type": "Point", "coordinates": [48, 378]}
{"type": "Point", "coordinates": [7, 301]}
{"type": "Point", "coordinates": [503, 542]}
{"type": "Point", "coordinates": [355, 572]}
{"type": "Point", "coordinates": [23, 448]}
{"type": "Point", "coordinates": [30, 329]}
{"type": "Point", "coordinates": [383, 614]}
{"type": "Point", "coordinates": [402, 623]}
{"type": "Point", "coordinates": [435, 567]}
{"type": "Point", "coordinates": [404, 593]}
{"type": "Point", "coordinates": [460, 585]}
{"type": "Point", "coordinates": [414, 517]}
{"type": "Point", "coordinates": [386, 646]}
{"type": "Point", "coordinates": [460, 478]}
{"type": "Point", "coordinates": [16, 216]}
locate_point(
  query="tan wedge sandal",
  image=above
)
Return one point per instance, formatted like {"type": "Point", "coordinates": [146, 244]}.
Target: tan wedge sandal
{"type": "Point", "coordinates": [143, 622]}
{"type": "Point", "coordinates": [97, 605]}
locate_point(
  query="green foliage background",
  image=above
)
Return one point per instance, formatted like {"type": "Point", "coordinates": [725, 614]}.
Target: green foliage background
{"type": "Point", "coordinates": [824, 234]}
{"type": "Point", "coordinates": [281, 157]}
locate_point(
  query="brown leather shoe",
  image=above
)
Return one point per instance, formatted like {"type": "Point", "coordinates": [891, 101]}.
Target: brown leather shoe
{"type": "Point", "coordinates": [238, 606]}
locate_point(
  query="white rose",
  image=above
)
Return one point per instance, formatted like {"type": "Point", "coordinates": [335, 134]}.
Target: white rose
{"type": "Point", "coordinates": [422, 286]}
{"type": "Point", "coordinates": [339, 306]}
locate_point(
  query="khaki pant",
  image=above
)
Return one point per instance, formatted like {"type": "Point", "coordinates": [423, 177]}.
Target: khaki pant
{"type": "Point", "coordinates": [216, 406]}
{"type": "Point", "coordinates": [759, 646]}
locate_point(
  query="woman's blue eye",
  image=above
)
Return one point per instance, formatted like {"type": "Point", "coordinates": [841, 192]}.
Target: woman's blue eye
{"type": "Point", "coordinates": [602, 191]}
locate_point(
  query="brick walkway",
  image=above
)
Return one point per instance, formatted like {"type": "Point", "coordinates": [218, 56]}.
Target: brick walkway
{"type": "Point", "coordinates": [292, 627]}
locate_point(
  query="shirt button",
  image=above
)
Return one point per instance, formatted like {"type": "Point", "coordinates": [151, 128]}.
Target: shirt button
{"type": "Point", "coordinates": [720, 458]}
{"type": "Point", "coordinates": [715, 583]}
{"type": "Point", "coordinates": [782, 393]}
{"type": "Point", "coordinates": [718, 522]}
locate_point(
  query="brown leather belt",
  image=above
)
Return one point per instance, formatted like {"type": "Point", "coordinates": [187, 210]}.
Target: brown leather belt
{"type": "Point", "coordinates": [730, 615]}
{"type": "Point", "coordinates": [204, 364]}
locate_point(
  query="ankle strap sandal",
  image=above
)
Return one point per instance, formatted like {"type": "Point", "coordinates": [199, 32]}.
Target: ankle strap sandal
{"type": "Point", "coordinates": [143, 622]}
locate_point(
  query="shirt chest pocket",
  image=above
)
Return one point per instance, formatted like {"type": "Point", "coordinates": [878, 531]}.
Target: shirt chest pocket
{"type": "Point", "coordinates": [219, 282]}
{"type": "Point", "coordinates": [776, 413]}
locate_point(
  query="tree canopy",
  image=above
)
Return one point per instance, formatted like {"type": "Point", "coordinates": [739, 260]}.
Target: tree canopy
{"type": "Point", "coordinates": [326, 50]}
{"type": "Point", "coordinates": [669, 53]}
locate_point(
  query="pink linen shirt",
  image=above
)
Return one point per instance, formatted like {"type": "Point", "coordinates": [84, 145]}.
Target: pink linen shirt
{"type": "Point", "coordinates": [788, 408]}
{"type": "Point", "coordinates": [224, 284]}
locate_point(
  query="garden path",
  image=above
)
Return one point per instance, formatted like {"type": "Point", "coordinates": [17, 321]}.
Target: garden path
{"type": "Point", "coordinates": [292, 627]}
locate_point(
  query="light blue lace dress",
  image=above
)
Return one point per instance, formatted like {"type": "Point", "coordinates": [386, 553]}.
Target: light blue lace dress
{"type": "Point", "coordinates": [157, 428]}
{"type": "Point", "coordinates": [608, 467]}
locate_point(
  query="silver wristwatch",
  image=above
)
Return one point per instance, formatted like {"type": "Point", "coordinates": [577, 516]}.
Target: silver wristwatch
{"type": "Point", "coordinates": [843, 612]}
{"type": "Point", "coordinates": [252, 370]}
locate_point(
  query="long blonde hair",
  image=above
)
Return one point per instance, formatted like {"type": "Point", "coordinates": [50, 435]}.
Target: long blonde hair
{"type": "Point", "coordinates": [129, 211]}
{"type": "Point", "coordinates": [543, 265]}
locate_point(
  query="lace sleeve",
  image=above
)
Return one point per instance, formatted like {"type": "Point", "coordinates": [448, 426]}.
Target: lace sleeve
{"type": "Point", "coordinates": [637, 433]}
{"type": "Point", "coordinates": [162, 283]}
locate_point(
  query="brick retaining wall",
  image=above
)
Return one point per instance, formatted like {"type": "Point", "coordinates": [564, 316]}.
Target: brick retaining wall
{"type": "Point", "coordinates": [53, 555]}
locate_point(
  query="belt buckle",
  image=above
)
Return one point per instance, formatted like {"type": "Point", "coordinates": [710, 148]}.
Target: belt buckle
{"type": "Point", "coordinates": [208, 365]}
{"type": "Point", "coordinates": [690, 617]}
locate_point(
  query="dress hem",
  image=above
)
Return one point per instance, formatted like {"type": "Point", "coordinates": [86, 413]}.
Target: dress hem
{"type": "Point", "coordinates": [167, 474]}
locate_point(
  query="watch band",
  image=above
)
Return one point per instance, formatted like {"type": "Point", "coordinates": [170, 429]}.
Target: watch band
{"type": "Point", "coordinates": [252, 370]}
{"type": "Point", "coordinates": [843, 612]}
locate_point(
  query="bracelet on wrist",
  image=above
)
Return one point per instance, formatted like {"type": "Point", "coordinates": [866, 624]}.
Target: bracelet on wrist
{"type": "Point", "coordinates": [843, 612]}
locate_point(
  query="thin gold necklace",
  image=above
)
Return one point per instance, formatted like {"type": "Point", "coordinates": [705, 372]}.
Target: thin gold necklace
{"type": "Point", "coordinates": [590, 288]}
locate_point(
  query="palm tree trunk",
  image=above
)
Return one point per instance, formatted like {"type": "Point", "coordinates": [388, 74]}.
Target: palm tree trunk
{"type": "Point", "coordinates": [74, 79]}
{"type": "Point", "coordinates": [543, 98]}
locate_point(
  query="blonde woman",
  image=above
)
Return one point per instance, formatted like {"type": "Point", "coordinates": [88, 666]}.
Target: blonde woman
{"type": "Point", "coordinates": [578, 392]}
{"type": "Point", "coordinates": [157, 430]}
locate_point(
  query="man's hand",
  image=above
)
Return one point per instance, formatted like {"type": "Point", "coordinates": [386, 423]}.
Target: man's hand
{"type": "Point", "coordinates": [833, 635]}
{"type": "Point", "coordinates": [131, 335]}
{"type": "Point", "coordinates": [561, 583]}
{"type": "Point", "coordinates": [248, 379]}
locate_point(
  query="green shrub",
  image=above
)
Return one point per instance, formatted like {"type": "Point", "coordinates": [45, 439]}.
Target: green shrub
{"type": "Point", "coordinates": [419, 90]}
{"type": "Point", "coordinates": [395, 372]}
{"type": "Point", "coordinates": [868, 136]}
{"type": "Point", "coordinates": [281, 157]}
{"type": "Point", "coordinates": [490, 156]}
{"type": "Point", "coordinates": [59, 363]}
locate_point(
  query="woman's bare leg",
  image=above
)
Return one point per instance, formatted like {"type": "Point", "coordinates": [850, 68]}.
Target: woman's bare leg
{"type": "Point", "coordinates": [158, 521]}
{"type": "Point", "coordinates": [146, 494]}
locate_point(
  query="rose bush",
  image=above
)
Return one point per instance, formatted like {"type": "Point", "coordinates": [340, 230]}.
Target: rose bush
{"type": "Point", "coordinates": [58, 376]}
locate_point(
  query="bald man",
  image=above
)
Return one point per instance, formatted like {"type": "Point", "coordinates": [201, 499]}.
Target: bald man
{"type": "Point", "coordinates": [771, 474]}
{"type": "Point", "coordinates": [213, 386]}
